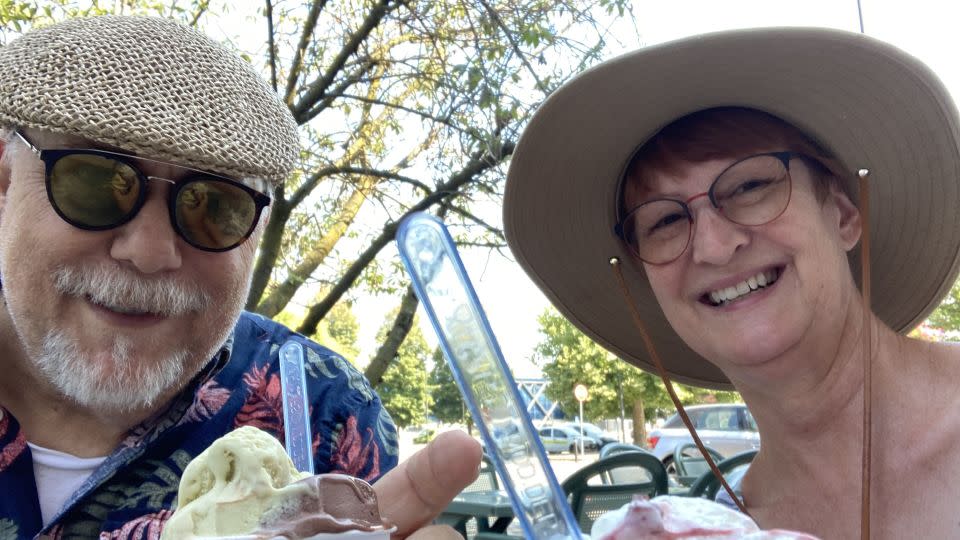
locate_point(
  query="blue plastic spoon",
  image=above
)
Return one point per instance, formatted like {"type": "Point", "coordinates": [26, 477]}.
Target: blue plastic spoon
{"type": "Point", "coordinates": [442, 285]}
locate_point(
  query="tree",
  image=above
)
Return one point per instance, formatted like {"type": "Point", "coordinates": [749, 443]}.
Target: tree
{"type": "Point", "coordinates": [426, 99]}
{"type": "Point", "coordinates": [342, 327]}
{"type": "Point", "coordinates": [448, 405]}
{"type": "Point", "coordinates": [339, 331]}
{"type": "Point", "coordinates": [571, 358]}
{"type": "Point", "coordinates": [404, 388]}
{"type": "Point", "coordinates": [946, 318]}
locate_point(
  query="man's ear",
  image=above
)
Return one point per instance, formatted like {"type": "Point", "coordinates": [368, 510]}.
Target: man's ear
{"type": "Point", "coordinates": [849, 223]}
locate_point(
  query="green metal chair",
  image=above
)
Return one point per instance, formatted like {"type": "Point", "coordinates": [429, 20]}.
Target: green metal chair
{"type": "Point", "coordinates": [622, 475]}
{"type": "Point", "coordinates": [707, 485]}
{"type": "Point", "coordinates": [487, 479]}
{"type": "Point", "coordinates": [689, 464]}
{"type": "Point", "coordinates": [619, 448]}
{"type": "Point", "coordinates": [589, 497]}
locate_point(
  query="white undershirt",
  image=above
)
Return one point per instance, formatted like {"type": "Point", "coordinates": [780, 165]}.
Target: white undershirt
{"type": "Point", "coordinates": [58, 475]}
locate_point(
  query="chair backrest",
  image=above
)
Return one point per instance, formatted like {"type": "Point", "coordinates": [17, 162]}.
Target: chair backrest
{"type": "Point", "coordinates": [589, 497]}
{"type": "Point", "coordinates": [623, 475]}
{"type": "Point", "coordinates": [487, 479]}
{"type": "Point", "coordinates": [619, 448]}
{"type": "Point", "coordinates": [690, 463]}
{"type": "Point", "coordinates": [707, 485]}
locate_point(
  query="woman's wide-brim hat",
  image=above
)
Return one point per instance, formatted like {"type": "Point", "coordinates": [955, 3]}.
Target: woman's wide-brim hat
{"type": "Point", "coordinates": [872, 105]}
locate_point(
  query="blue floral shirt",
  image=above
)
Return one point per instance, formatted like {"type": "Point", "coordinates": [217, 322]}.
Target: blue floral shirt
{"type": "Point", "coordinates": [134, 491]}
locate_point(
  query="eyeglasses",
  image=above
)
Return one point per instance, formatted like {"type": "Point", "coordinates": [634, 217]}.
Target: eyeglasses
{"type": "Point", "coordinates": [753, 191]}
{"type": "Point", "coordinates": [97, 190]}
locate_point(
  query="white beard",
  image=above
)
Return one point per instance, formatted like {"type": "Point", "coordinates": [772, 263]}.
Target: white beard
{"type": "Point", "coordinates": [123, 384]}
{"type": "Point", "coordinates": [116, 379]}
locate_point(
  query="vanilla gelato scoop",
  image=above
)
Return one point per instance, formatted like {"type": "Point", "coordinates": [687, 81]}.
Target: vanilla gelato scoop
{"type": "Point", "coordinates": [682, 518]}
{"type": "Point", "coordinates": [245, 484]}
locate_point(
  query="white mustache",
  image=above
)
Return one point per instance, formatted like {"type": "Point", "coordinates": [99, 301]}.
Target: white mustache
{"type": "Point", "coordinates": [114, 287]}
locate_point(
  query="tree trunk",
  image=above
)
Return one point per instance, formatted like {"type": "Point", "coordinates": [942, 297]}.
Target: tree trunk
{"type": "Point", "coordinates": [269, 252]}
{"type": "Point", "coordinates": [388, 350]}
{"type": "Point", "coordinates": [639, 424]}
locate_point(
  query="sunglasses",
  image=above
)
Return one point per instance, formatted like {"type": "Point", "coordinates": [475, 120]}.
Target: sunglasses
{"type": "Point", "coordinates": [97, 190]}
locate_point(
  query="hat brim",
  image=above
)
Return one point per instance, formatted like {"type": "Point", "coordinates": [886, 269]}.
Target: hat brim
{"type": "Point", "coordinates": [871, 104]}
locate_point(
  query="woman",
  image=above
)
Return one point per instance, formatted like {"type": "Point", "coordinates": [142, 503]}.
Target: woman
{"type": "Point", "coordinates": [719, 174]}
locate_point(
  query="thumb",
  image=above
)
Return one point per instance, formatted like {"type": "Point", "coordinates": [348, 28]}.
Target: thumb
{"type": "Point", "coordinates": [417, 490]}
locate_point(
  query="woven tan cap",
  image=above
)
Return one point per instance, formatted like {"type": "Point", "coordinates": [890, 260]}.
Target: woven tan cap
{"type": "Point", "coordinates": [152, 87]}
{"type": "Point", "coordinates": [871, 104]}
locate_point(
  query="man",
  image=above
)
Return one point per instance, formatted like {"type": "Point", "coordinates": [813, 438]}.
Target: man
{"type": "Point", "coordinates": [137, 161]}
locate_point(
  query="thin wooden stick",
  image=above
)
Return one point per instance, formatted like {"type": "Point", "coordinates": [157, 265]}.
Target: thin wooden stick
{"type": "Point", "coordinates": [863, 174]}
{"type": "Point", "coordinates": [615, 263]}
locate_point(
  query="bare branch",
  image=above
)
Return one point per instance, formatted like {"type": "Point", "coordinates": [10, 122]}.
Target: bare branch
{"type": "Point", "coordinates": [318, 89]}
{"type": "Point", "coordinates": [494, 245]}
{"type": "Point", "coordinates": [386, 175]}
{"type": "Point", "coordinates": [337, 92]}
{"type": "Point", "coordinates": [477, 165]}
{"type": "Point", "coordinates": [473, 218]}
{"type": "Point", "coordinates": [201, 9]}
{"type": "Point", "coordinates": [426, 116]}
{"type": "Point", "coordinates": [513, 44]}
{"type": "Point", "coordinates": [272, 46]}
{"type": "Point", "coordinates": [297, 64]}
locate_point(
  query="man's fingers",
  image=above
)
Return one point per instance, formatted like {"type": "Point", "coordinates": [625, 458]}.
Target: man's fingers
{"type": "Point", "coordinates": [417, 490]}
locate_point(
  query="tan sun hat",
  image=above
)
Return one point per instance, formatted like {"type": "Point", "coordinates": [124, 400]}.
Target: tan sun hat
{"type": "Point", "coordinates": [869, 103]}
{"type": "Point", "coordinates": [150, 86]}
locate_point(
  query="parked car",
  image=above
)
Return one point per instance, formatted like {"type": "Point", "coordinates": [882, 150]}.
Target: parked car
{"type": "Point", "coordinates": [592, 430]}
{"type": "Point", "coordinates": [558, 439]}
{"type": "Point", "coordinates": [728, 428]}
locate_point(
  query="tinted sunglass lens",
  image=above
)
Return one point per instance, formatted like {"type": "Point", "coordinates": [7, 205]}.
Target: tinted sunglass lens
{"type": "Point", "coordinates": [93, 191]}
{"type": "Point", "coordinates": [213, 214]}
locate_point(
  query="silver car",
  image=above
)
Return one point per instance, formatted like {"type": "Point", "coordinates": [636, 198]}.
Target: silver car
{"type": "Point", "coordinates": [558, 439]}
{"type": "Point", "coordinates": [728, 428]}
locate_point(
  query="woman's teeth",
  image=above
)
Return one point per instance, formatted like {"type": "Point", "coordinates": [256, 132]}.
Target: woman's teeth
{"type": "Point", "coordinates": [745, 287]}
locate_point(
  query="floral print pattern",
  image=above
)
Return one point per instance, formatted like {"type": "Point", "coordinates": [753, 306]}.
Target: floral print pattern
{"type": "Point", "coordinates": [9, 450]}
{"type": "Point", "coordinates": [134, 491]}
{"type": "Point", "coordinates": [353, 455]}
{"type": "Point", "coordinates": [263, 407]}
{"type": "Point", "coordinates": [146, 527]}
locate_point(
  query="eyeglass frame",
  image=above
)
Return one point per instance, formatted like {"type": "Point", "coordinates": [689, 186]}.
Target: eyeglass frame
{"type": "Point", "coordinates": [784, 156]}
{"type": "Point", "coordinates": [49, 157]}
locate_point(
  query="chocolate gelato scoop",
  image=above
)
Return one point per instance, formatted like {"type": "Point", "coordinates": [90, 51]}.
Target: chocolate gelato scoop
{"type": "Point", "coordinates": [325, 503]}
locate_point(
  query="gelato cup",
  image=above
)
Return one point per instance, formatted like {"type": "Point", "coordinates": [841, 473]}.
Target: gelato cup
{"type": "Point", "coordinates": [348, 535]}
{"type": "Point", "coordinates": [682, 518]}
{"type": "Point", "coordinates": [244, 486]}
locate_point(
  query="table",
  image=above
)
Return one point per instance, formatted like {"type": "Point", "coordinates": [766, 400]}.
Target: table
{"type": "Point", "coordinates": [482, 505]}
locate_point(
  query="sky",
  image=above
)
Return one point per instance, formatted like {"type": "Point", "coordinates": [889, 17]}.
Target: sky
{"type": "Point", "coordinates": [925, 28]}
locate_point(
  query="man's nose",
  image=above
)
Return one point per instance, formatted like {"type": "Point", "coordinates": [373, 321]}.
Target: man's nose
{"type": "Point", "coordinates": [148, 241]}
{"type": "Point", "coordinates": [715, 238]}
